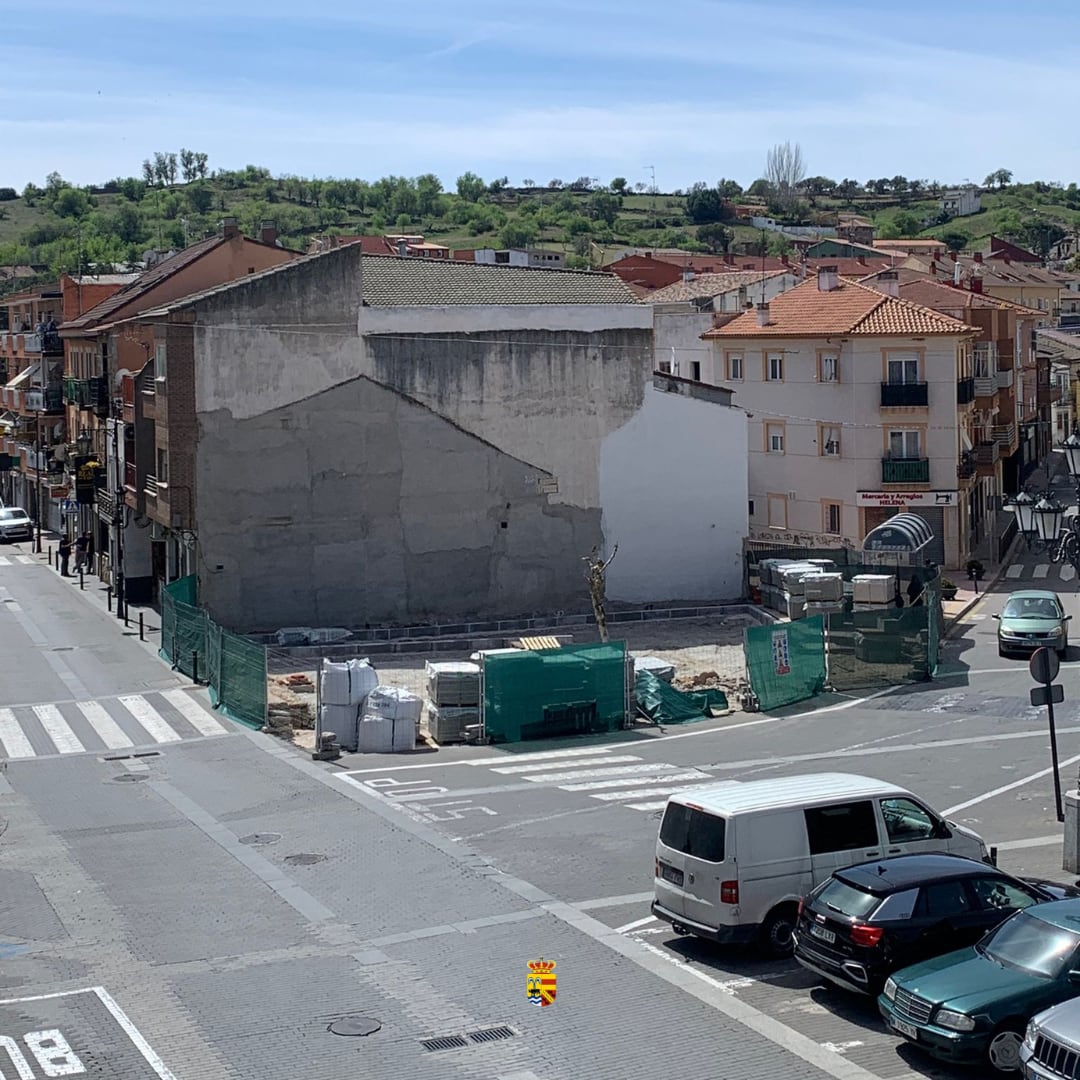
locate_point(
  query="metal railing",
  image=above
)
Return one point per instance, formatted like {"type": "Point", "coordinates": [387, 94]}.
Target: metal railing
{"type": "Point", "coordinates": [131, 476]}
{"type": "Point", "coordinates": [1004, 434]}
{"type": "Point", "coordinates": [905, 470]}
{"type": "Point", "coordinates": [896, 395]}
{"type": "Point", "coordinates": [1004, 379]}
{"type": "Point", "coordinates": [150, 485]}
{"type": "Point", "coordinates": [965, 391]}
{"type": "Point", "coordinates": [985, 354]}
{"type": "Point", "coordinates": [985, 385]}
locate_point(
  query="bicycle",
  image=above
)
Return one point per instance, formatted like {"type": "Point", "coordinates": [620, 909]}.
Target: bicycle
{"type": "Point", "coordinates": [1067, 547]}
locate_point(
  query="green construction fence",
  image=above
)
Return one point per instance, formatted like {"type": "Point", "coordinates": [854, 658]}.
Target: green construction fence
{"type": "Point", "coordinates": [232, 666]}
{"type": "Point", "coordinates": [785, 662]}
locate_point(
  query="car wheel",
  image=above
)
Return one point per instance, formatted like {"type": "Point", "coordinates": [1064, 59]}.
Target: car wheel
{"type": "Point", "coordinates": [1003, 1049]}
{"type": "Point", "coordinates": [777, 929]}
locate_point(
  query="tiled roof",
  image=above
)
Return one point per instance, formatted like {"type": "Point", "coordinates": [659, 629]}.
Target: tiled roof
{"type": "Point", "coordinates": [938, 294]}
{"type": "Point", "coordinates": [411, 282]}
{"type": "Point", "coordinates": [912, 243]}
{"type": "Point", "coordinates": [143, 284]}
{"type": "Point", "coordinates": [848, 309]}
{"type": "Point", "coordinates": [709, 285]}
{"type": "Point", "coordinates": [105, 279]}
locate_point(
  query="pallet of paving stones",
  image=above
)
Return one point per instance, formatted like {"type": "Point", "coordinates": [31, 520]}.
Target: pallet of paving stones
{"type": "Point", "coordinates": [448, 724]}
{"type": "Point", "coordinates": [454, 684]}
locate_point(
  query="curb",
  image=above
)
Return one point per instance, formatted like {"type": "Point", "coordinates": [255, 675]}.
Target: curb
{"type": "Point", "coordinates": [951, 622]}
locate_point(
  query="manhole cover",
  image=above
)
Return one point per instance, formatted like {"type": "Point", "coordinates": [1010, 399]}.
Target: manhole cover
{"type": "Point", "coordinates": [355, 1025]}
{"type": "Point", "coordinates": [257, 838]}
{"type": "Point", "coordinates": [131, 778]}
{"type": "Point", "coordinates": [303, 859]}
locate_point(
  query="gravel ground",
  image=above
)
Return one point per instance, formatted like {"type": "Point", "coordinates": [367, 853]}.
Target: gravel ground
{"type": "Point", "coordinates": [696, 648]}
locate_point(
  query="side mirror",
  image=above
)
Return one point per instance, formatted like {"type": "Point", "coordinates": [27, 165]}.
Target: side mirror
{"type": "Point", "coordinates": [1074, 978]}
{"type": "Point", "coordinates": [942, 831]}
{"type": "Point", "coordinates": [995, 616]}
{"type": "Point", "coordinates": [1067, 618]}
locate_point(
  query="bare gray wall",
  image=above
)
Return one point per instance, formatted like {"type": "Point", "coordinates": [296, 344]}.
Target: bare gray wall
{"type": "Point", "coordinates": [359, 506]}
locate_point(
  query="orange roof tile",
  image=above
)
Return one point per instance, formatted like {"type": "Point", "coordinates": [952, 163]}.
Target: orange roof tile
{"type": "Point", "coordinates": [850, 308]}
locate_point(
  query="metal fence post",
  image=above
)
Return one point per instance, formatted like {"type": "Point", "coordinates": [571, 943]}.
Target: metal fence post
{"type": "Point", "coordinates": [108, 597]}
{"type": "Point", "coordinates": [318, 704]}
{"type": "Point", "coordinates": [82, 586]}
{"type": "Point", "coordinates": [195, 665]}
{"type": "Point", "coordinates": [50, 555]}
{"type": "Point", "coordinates": [141, 635]}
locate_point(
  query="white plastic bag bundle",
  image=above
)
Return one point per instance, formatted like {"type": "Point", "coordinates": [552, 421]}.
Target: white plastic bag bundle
{"type": "Point", "coordinates": [375, 735]}
{"type": "Point", "coordinates": [362, 680]}
{"type": "Point", "coordinates": [335, 684]}
{"type": "Point", "coordinates": [394, 702]}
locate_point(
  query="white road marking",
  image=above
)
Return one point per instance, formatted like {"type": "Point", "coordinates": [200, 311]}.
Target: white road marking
{"type": "Point", "coordinates": [4, 560]}
{"type": "Point", "coordinates": [26, 560]}
{"type": "Point", "coordinates": [193, 713]}
{"type": "Point", "coordinates": [630, 781]}
{"type": "Point", "coordinates": [1015, 570]}
{"type": "Point", "coordinates": [11, 605]}
{"type": "Point", "coordinates": [635, 924]}
{"type": "Point", "coordinates": [841, 1048]}
{"type": "Point", "coordinates": [644, 793]}
{"type": "Point", "coordinates": [107, 729]}
{"type": "Point", "coordinates": [540, 767]}
{"type": "Point", "coordinates": [149, 718]}
{"type": "Point", "coordinates": [543, 755]}
{"type": "Point", "coordinates": [614, 901]}
{"type": "Point", "coordinates": [622, 770]}
{"type": "Point", "coordinates": [1068, 572]}
{"type": "Point", "coordinates": [56, 727]}
{"type": "Point", "coordinates": [1040, 571]}
{"type": "Point", "coordinates": [1009, 787]}
{"type": "Point", "coordinates": [15, 742]}
{"type": "Point", "coordinates": [1034, 841]}
{"type": "Point", "coordinates": [647, 805]}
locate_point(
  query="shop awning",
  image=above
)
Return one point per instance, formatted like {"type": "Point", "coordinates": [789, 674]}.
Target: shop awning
{"type": "Point", "coordinates": [24, 377]}
{"type": "Point", "coordinates": [902, 532]}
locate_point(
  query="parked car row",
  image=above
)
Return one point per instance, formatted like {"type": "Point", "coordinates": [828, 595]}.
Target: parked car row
{"type": "Point", "coordinates": [876, 893]}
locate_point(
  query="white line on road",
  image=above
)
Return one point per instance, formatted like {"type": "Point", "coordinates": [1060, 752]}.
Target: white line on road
{"type": "Point", "coordinates": [622, 770]}
{"type": "Point", "coordinates": [1008, 787]}
{"type": "Point", "coordinates": [1034, 841]}
{"type": "Point", "coordinates": [635, 924]}
{"type": "Point", "coordinates": [1015, 570]}
{"type": "Point", "coordinates": [4, 560]}
{"type": "Point", "coordinates": [630, 781]}
{"type": "Point", "coordinates": [26, 560]}
{"type": "Point", "coordinates": [541, 766]}
{"type": "Point", "coordinates": [1041, 571]}
{"type": "Point", "coordinates": [56, 727]}
{"type": "Point", "coordinates": [648, 805]}
{"type": "Point", "coordinates": [133, 1033]}
{"type": "Point", "coordinates": [625, 900]}
{"type": "Point", "coordinates": [644, 793]}
{"type": "Point", "coordinates": [193, 713]}
{"type": "Point", "coordinates": [543, 755]}
{"type": "Point", "coordinates": [14, 740]}
{"type": "Point", "coordinates": [150, 718]}
{"type": "Point", "coordinates": [108, 730]}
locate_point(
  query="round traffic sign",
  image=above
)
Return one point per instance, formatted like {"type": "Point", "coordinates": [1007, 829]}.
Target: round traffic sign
{"type": "Point", "coordinates": [1044, 666]}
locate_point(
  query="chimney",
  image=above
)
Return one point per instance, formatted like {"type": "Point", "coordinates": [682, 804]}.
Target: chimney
{"type": "Point", "coordinates": [688, 273]}
{"type": "Point", "coordinates": [889, 283]}
{"type": "Point", "coordinates": [729, 259]}
{"type": "Point", "coordinates": [956, 272]}
{"type": "Point", "coordinates": [976, 283]}
{"type": "Point", "coordinates": [403, 246]}
{"type": "Point", "coordinates": [933, 268]}
{"type": "Point", "coordinates": [229, 228]}
{"type": "Point", "coordinates": [268, 233]}
{"type": "Point", "coordinates": [978, 256]}
{"type": "Point", "coordinates": [827, 278]}
{"type": "Point", "coordinates": [763, 315]}
{"type": "Point", "coordinates": [784, 260]}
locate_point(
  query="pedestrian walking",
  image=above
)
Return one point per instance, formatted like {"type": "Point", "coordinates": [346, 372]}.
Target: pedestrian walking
{"type": "Point", "coordinates": [915, 591]}
{"type": "Point", "coordinates": [82, 552]}
{"type": "Point", "coordinates": [65, 556]}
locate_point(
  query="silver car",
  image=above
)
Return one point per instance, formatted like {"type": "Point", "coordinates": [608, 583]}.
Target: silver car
{"type": "Point", "coordinates": [15, 524]}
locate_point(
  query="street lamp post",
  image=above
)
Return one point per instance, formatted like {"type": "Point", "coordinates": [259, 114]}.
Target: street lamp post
{"type": "Point", "coordinates": [1038, 517]}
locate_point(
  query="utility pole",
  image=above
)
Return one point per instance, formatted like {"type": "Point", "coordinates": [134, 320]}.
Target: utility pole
{"type": "Point", "coordinates": [38, 464]}
{"type": "Point", "coordinates": [652, 189]}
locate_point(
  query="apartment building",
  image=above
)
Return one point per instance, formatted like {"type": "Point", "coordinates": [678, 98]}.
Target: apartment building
{"type": "Point", "coordinates": [856, 412]}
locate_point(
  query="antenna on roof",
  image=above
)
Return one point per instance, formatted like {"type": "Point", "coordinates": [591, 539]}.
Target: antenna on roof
{"type": "Point", "coordinates": [763, 266]}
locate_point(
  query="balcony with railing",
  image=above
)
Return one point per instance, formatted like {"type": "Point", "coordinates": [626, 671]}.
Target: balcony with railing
{"type": "Point", "coordinates": [1004, 379]}
{"type": "Point", "coordinates": [1048, 393]}
{"type": "Point", "coordinates": [131, 481]}
{"type": "Point", "coordinates": [905, 470]}
{"type": "Point", "coordinates": [965, 391]}
{"type": "Point", "coordinates": [904, 395]}
{"type": "Point", "coordinates": [1004, 435]}
{"type": "Point", "coordinates": [127, 394]}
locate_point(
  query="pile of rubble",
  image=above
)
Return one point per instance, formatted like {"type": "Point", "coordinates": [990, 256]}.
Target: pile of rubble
{"type": "Point", "coordinates": [290, 705]}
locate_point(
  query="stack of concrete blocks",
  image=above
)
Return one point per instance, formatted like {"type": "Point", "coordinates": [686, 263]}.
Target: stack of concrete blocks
{"type": "Point", "coordinates": [783, 587]}
{"type": "Point", "coordinates": [873, 592]}
{"type": "Point", "coordinates": [343, 689]}
{"type": "Point", "coordinates": [391, 721]}
{"type": "Point", "coordinates": [453, 699]}
{"type": "Point", "coordinates": [824, 593]}
{"type": "Point", "coordinates": [662, 669]}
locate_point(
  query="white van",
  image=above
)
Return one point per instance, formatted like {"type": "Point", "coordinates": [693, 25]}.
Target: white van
{"type": "Point", "coordinates": [733, 860]}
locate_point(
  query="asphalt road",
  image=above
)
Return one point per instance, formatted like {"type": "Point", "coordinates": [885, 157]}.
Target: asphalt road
{"type": "Point", "coordinates": [188, 900]}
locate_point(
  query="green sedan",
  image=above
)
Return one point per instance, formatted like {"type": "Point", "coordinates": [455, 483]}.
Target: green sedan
{"type": "Point", "coordinates": [972, 1006]}
{"type": "Point", "coordinates": [1030, 620]}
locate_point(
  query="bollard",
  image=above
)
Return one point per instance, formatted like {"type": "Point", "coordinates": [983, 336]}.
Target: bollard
{"type": "Point", "coordinates": [81, 585]}
{"type": "Point", "coordinates": [126, 623]}
{"type": "Point", "coordinates": [141, 637]}
{"type": "Point", "coordinates": [195, 666]}
{"type": "Point", "coordinates": [50, 555]}
{"type": "Point", "coordinates": [993, 856]}
{"type": "Point", "coordinates": [108, 597]}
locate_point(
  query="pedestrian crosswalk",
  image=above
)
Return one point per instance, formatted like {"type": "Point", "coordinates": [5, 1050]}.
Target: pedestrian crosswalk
{"type": "Point", "coordinates": [7, 560]}
{"type": "Point", "coordinates": [1047, 573]}
{"type": "Point", "coordinates": [605, 774]}
{"type": "Point", "coordinates": [106, 724]}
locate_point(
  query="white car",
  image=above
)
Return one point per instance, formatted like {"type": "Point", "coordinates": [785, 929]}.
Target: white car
{"type": "Point", "coordinates": [15, 524]}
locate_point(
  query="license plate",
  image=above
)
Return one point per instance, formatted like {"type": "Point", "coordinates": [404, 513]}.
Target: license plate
{"type": "Point", "coordinates": [669, 873]}
{"type": "Point", "coordinates": [910, 1030]}
{"type": "Point", "coordinates": [820, 932]}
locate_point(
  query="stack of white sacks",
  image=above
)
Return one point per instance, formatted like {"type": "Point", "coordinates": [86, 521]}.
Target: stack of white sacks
{"type": "Point", "coordinates": [343, 689]}
{"type": "Point", "coordinates": [391, 721]}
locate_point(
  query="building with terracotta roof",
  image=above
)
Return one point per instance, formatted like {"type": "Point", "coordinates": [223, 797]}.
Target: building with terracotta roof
{"type": "Point", "coordinates": [378, 439]}
{"type": "Point", "coordinates": [856, 413]}
{"type": "Point", "coordinates": [102, 345]}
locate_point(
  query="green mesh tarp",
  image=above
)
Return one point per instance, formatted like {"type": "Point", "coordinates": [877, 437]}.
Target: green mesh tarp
{"type": "Point", "coordinates": [786, 661]}
{"type": "Point", "coordinates": [575, 690]}
{"type": "Point", "coordinates": [234, 667]}
{"type": "Point", "coordinates": [663, 704]}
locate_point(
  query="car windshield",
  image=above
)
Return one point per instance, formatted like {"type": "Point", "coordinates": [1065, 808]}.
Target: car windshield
{"type": "Point", "coordinates": [845, 899]}
{"type": "Point", "coordinates": [12, 515]}
{"type": "Point", "coordinates": [1032, 945]}
{"type": "Point", "coordinates": [1032, 607]}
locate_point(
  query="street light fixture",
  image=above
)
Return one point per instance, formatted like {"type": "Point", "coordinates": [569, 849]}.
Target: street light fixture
{"type": "Point", "coordinates": [1048, 514]}
{"type": "Point", "coordinates": [1023, 508]}
{"type": "Point", "coordinates": [1038, 515]}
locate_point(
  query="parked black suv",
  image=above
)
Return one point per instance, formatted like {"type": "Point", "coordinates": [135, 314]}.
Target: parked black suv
{"type": "Point", "coordinates": [868, 921]}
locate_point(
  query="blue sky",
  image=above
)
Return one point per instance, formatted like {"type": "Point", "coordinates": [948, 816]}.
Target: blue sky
{"type": "Point", "coordinates": [700, 89]}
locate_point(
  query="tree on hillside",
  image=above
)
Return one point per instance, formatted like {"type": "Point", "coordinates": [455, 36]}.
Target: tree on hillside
{"type": "Point", "coordinates": [201, 161]}
{"type": "Point", "coordinates": [715, 237]}
{"type": "Point", "coordinates": [528, 182]}
{"type": "Point", "coordinates": [470, 187]}
{"type": "Point", "coordinates": [785, 169]}
{"type": "Point", "coordinates": [955, 240]}
{"type": "Point", "coordinates": [170, 167]}
{"type": "Point", "coordinates": [604, 206]}
{"type": "Point", "coordinates": [555, 184]}
{"type": "Point", "coordinates": [898, 185]}
{"type": "Point", "coordinates": [618, 185]}
{"type": "Point", "coordinates": [704, 204]}
{"type": "Point", "coordinates": [729, 189]}
{"type": "Point", "coordinates": [518, 234]}
{"type": "Point", "coordinates": [1000, 177]}
{"type": "Point", "coordinates": [818, 185]}
{"type": "Point", "coordinates": [187, 165]}
{"type": "Point", "coordinates": [848, 189]}
{"type": "Point", "coordinates": [759, 189]}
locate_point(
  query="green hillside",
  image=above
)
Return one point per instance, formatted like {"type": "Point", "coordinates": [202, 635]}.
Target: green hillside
{"type": "Point", "coordinates": [59, 227]}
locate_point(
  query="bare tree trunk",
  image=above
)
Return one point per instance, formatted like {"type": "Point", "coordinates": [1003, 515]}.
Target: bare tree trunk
{"type": "Point", "coordinates": [597, 579]}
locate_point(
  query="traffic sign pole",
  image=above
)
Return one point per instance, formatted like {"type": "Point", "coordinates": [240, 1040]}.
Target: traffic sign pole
{"type": "Point", "coordinates": [1044, 667]}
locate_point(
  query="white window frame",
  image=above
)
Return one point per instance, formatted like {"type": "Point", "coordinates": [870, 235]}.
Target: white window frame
{"type": "Point", "coordinates": [905, 370]}
{"type": "Point", "coordinates": [161, 362]}
{"type": "Point", "coordinates": [775, 434]}
{"type": "Point", "coordinates": [774, 361]}
{"type": "Point", "coordinates": [906, 435]}
{"type": "Point", "coordinates": [830, 367]}
{"type": "Point", "coordinates": [839, 509]}
{"type": "Point", "coordinates": [735, 367]}
{"type": "Point", "coordinates": [830, 437]}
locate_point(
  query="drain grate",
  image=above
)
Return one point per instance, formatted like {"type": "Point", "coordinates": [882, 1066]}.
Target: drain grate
{"type": "Point", "coordinates": [259, 838]}
{"type": "Point", "coordinates": [128, 757]}
{"type": "Point", "coordinates": [491, 1034]}
{"type": "Point", "coordinates": [444, 1042]}
{"type": "Point", "coordinates": [303, 859]}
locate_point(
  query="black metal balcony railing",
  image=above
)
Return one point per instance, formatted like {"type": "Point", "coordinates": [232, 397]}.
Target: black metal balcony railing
{"type": "Point", "coordinates": [905, 470]}
{"type": "Point", "coordinates": [98, 394]}
{"type": "Point", "coordinates": [967, 468]}
{"type": "Point", "coordinates": [54, 398]}
{"type": "Point", "coordinates": [895, 395]}
{"type": "Point", "coordinates": [965, 391]}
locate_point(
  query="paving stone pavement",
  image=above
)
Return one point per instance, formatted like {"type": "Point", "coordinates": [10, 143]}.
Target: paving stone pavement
{"type": "Point", "coordinates": [171, 889]}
